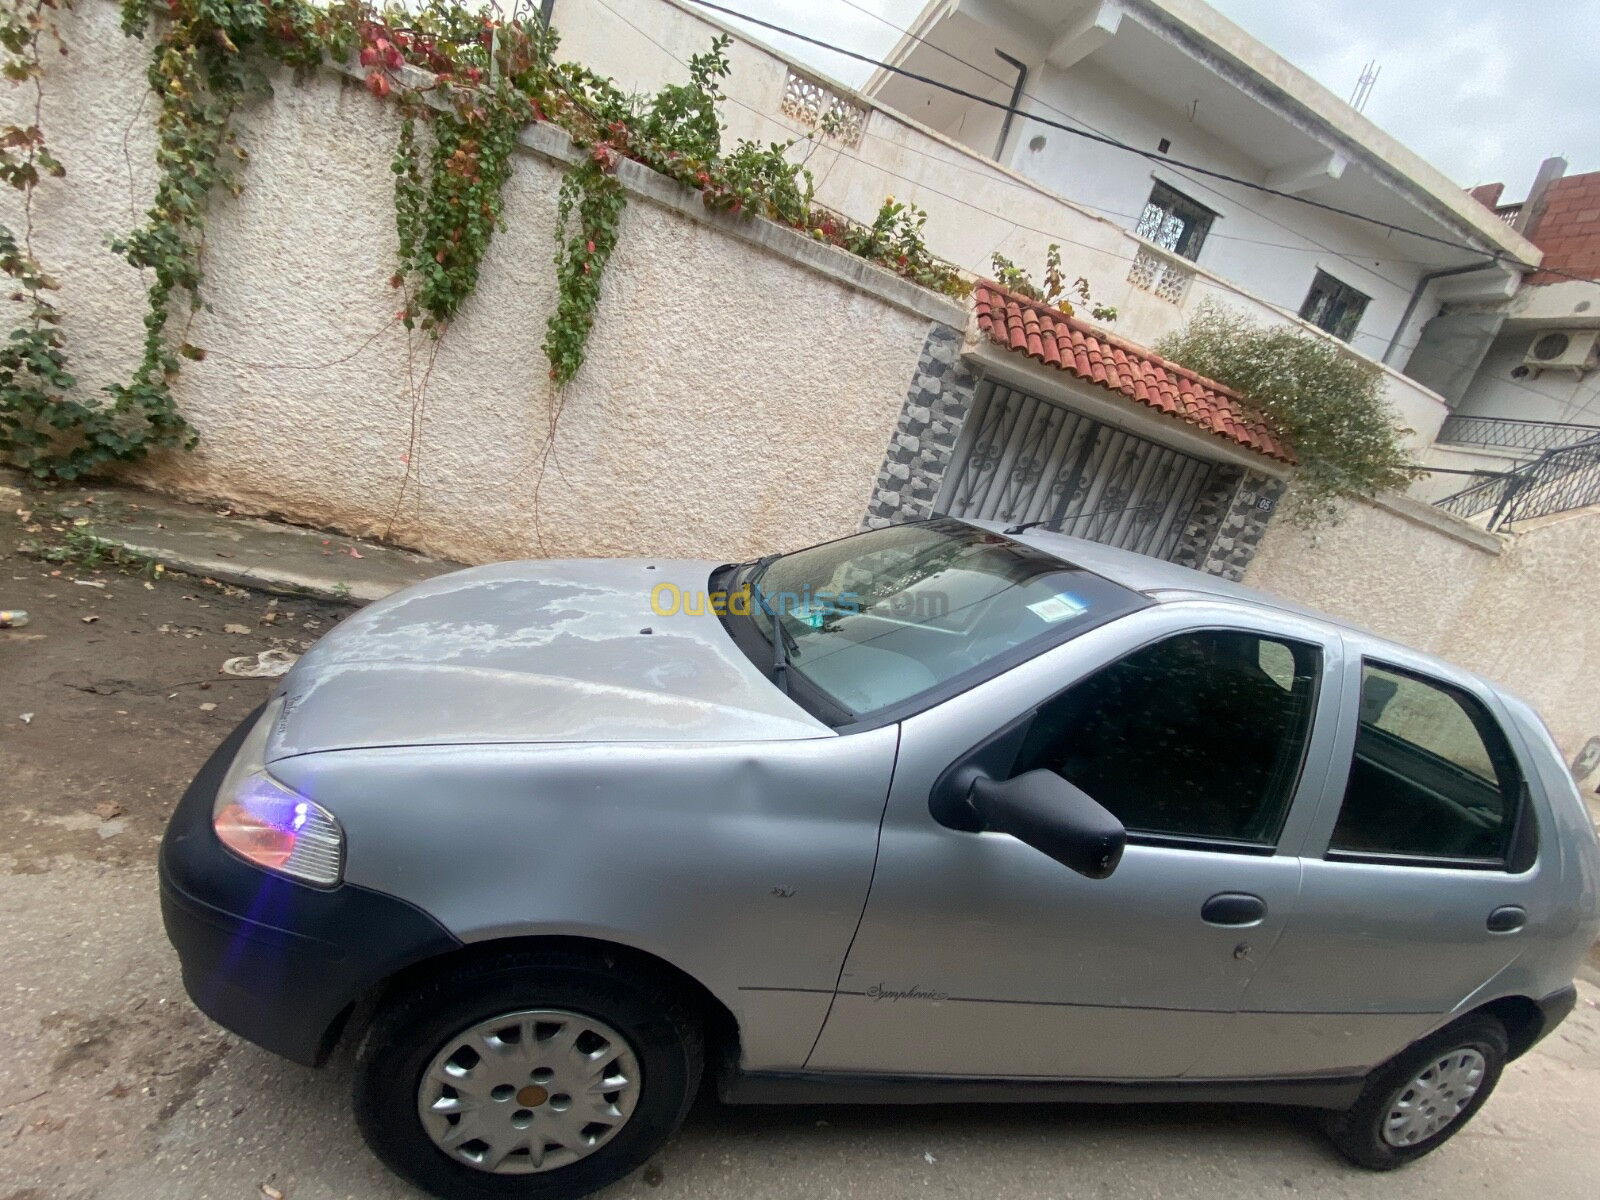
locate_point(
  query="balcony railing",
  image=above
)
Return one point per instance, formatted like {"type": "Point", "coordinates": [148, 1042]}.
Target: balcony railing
{"type": "Point", "coordinates": [1507, 433]}
{"type": "Point", "coordinates": [1559, 480]}
{"type": "Point", "coordinates": [1161, 272]}
{"type": "Point", "coordinates": [819, 106]}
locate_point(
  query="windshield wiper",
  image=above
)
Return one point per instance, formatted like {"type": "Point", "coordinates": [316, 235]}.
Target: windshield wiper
{"type": "Point", "coordinates": [783, 643]}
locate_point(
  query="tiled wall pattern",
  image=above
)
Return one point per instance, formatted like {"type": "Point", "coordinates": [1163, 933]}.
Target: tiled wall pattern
{"type": "Point", "coordinates": [1238, 534]}
{"type": "Point", "coordinates": [1209, 509]}
{"type": "Point", "coordinates": [936, 406]}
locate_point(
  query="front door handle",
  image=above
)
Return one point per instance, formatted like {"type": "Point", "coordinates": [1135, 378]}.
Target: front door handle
{"type": "Point", "coordinates": [1233, 908]}
{"type": "Point", "coordinates": [1507, 919]}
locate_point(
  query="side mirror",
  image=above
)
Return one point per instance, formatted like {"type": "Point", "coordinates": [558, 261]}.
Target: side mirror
{"type": "Point", "coordinates": [1054, 817]}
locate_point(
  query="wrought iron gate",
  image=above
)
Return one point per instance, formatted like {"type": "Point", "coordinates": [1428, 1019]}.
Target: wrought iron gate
{"type": "Point", "coordinates": [1027, 459]}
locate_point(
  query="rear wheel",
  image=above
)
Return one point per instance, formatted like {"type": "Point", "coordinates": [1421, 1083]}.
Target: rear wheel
{"type": "Point", "coordinates": [1420, 1098]}
{"type": "Point", "coordinates": [536, 1075]}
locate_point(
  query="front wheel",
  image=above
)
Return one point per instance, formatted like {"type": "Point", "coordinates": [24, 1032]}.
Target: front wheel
{"type": "Point", "coordinates": [541, 1076]}
{"type": "Point", "coordinates": [1420, 1098]}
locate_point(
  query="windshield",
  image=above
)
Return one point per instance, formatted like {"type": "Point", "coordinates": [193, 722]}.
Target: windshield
{"type": "Point", "coordinates": [885, 616]}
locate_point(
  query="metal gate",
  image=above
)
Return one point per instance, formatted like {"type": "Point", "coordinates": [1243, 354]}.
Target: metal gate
{"type": "Point", "coordinates": [1027, 459]}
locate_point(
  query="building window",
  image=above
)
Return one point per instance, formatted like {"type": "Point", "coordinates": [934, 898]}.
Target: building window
{"type": "Point", "coordinates": [1334, 306]}
{"type": "Point", "coordinates": [1174, 221]}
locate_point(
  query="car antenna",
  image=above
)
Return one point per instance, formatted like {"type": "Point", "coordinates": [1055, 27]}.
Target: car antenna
{"type": "Point", "coordinates": [1104, 512]}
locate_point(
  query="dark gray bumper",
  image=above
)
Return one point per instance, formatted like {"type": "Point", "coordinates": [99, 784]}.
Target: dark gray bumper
{"type": "Point", "coordinates": [276, 962]}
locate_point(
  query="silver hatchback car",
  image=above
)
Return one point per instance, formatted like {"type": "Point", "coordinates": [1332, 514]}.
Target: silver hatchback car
{"type": "Point", "coordinates": [937, 812]}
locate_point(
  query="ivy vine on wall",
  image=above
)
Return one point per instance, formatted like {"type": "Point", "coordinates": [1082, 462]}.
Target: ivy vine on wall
{"type": "Point", "coordinates": [34, 379]}
{"type": "Point", "coordinates": [468, 82]}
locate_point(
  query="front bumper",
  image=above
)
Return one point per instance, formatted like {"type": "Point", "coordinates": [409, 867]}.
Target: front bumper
{"type": "Point", "coordinates": [277, 962]}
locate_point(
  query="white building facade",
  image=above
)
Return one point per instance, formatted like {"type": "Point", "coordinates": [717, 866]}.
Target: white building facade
{"type": "Point", "coordinates": [1174, 80]}
{"type": "Point", "coordinates": [1169, 82]}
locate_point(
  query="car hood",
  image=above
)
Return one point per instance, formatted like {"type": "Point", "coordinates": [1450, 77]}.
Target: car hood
{"type": "Point", "coordinates": [546, 651]}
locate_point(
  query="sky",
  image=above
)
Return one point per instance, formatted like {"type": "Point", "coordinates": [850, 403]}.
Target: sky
{"type": "Point", "coordinates": [1483, 89]}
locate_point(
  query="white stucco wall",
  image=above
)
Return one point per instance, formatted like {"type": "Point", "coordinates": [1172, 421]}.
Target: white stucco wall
{"type": "Point", "coordinates": [734, 401]}
{"type": "Point", "coordinates": [1525, 617]}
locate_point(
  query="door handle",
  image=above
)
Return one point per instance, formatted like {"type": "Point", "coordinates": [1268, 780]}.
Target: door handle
{"type": "Point", "coordinates": [1507, 919]}
{"type": "Point", "coordinates": [1233, 908]}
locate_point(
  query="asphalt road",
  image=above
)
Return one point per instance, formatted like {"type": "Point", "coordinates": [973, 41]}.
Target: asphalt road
{"type": "Point", "coordinates": [112, 1086]}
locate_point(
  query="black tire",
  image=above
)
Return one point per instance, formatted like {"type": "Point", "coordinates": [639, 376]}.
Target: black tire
{"type": "Point", "coordinates": [661, 1027]}
{"type": "Point", "coordinates": [1358, 1133]}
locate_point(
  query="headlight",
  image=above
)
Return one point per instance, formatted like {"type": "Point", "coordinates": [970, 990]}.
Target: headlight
{"type": "Point", "coordinates": [273, 826]}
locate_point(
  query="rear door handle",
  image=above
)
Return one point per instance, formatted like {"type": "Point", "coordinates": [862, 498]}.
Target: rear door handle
{"type": "Point", "coordinates": [1507, 919]}
{"type": "Point", "coordinates": [1233, 908]}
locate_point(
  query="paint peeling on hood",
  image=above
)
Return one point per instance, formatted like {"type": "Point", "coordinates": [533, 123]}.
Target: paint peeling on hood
{"type": "Point", "coordinates": [545, 651]}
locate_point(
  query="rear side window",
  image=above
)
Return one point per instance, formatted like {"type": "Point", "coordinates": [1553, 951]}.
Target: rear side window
{"type": "Point", "coordinates": [1433, 775]}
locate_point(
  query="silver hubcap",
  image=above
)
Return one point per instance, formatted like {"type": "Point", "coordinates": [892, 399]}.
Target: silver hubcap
{"type": "Point", "coordinates": [529, 1091]}
{"type": "Point", "coordinates": [1435, 1098]}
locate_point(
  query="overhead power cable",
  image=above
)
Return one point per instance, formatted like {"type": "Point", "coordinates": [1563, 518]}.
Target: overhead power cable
{"type": "Point", "coordinates": [1016, 226]}
{"type": "Point", "coordinates": [1492, 256]}
{"type": "Point", "coordinates": [1311, 246]}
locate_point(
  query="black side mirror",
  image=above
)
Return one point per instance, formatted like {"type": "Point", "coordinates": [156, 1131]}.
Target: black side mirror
{"type": "Point", "coordinates": [1054, 817]}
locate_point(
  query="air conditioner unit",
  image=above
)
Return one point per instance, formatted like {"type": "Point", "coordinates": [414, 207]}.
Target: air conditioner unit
{"type": "Point", "coordinates": [1564, 349]}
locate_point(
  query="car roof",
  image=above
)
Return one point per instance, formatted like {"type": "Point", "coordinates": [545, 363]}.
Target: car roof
{"type": "Point", "coordinates": [1167, 582]}
{"type": "Point", "coordinates": [1150, 576]}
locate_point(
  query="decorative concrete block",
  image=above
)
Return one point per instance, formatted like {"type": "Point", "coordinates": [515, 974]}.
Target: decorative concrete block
{"type": "Point", "coordinates": [924, 440]}
{"type": "Point", "coordinates": [1239, 533]}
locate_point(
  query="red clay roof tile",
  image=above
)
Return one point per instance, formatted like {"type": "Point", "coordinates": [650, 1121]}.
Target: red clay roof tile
{"type": "Point", "coordinates": [1078, 348]}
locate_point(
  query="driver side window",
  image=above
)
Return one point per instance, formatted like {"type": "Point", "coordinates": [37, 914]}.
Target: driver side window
{"type": "Point", "coordinates": [1199, 737]}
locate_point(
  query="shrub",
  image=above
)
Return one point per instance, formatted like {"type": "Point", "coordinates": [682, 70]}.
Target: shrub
{"type": "Point", "coordinates": [1055, 290]}
{"type": "Point", "coordinates": [1322, 399]}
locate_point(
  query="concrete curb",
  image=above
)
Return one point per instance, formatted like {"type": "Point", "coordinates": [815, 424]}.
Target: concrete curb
{"type": "Point", "coordinates": [277, 580]}
{"type": "Point", "coordinates": [253, 552]}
